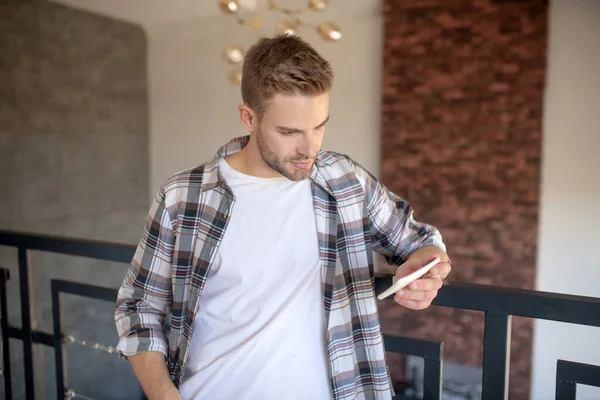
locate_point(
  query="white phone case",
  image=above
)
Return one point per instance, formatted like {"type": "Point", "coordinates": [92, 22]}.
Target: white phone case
{"type": "Point", "coordinates": [408, 279]}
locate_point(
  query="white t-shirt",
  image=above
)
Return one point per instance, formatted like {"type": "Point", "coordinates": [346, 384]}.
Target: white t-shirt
{"type": "Point", "coordinates": [259, 331]}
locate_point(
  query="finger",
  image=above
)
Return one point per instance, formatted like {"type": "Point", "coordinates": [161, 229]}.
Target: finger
{"type": "Point", "coordinates": [442, 270]}
{"type": "Point", "coordinates": [418, 295]}
{"type": "Point", "coordinates": [425, 284]}
{"type": "Point", "coordinates": [412, 265]}
{"type": "Point", "coordinates": [412, 304]}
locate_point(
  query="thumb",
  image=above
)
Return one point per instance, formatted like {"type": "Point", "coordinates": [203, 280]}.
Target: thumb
{"type": "Point", "coordinates": [411, 265]}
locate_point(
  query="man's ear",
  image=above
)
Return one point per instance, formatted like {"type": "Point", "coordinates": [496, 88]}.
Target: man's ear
{"type": "Point", "coordinates": [248, 118]}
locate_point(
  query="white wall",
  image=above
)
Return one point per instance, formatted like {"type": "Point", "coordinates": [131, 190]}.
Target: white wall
{"type": "Point", "coordinates": [193, 107]}
{"type": "Point", "coordinates": [569, 261]}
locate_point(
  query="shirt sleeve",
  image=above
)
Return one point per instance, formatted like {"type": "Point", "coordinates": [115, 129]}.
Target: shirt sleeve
{"type": "Point", "coordinates": [146, 295]}
{"type": "Point", "coordinates": [396, 234]}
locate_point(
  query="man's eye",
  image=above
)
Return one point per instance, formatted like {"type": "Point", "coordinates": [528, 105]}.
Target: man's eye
{"type": "Point", "coordinates": [287, 133]}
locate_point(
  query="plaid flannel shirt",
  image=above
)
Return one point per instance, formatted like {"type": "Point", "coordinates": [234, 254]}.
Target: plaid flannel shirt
{"type": "Point", "coordinates": [355, 214]}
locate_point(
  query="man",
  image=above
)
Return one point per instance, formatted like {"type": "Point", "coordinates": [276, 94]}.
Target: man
{"type": "Point", "coordinates": [263, 256]}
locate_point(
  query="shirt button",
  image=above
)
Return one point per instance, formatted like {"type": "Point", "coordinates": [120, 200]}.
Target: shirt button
{"type": "Point", "coordinates": [335, 373]}
{"type": "Point", "coordinates": [329, 337]}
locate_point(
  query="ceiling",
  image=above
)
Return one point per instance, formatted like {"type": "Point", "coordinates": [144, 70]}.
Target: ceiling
{"type": "Point", "coordinates": [151, 12]}
{"type": "Point", "coordinates": [156, 12]}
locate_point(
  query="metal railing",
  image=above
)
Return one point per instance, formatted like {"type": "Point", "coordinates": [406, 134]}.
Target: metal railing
{"type": "Point", "coordinates": [54, 244]}
{"type": "Point", "coordinates": [498, 304]}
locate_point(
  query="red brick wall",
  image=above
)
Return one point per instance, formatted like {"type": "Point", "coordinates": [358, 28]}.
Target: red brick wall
{"type": "Point", "coordinates": [461, 141]}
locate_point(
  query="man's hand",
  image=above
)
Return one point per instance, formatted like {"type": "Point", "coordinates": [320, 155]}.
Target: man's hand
{"type": "Point", "coordinates": [420, 293]}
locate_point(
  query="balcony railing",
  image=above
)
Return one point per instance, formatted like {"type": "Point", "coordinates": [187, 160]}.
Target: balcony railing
{"type": "Point", "coordinates": [498, 304]}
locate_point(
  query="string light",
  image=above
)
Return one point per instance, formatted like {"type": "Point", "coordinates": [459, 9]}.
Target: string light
{"type": "Point", "coordinates": [92, 345]}
{"type": "Point", "coordinates": [70, 339]}
{"type": "Point", "coordinates": [288, 25]}
{"type": "Point", "coordinates": [70, 394]}
{"type": "Point", "coordinates": [67, 339]}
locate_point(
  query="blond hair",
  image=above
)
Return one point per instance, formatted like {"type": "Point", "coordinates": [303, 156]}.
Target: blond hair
{"type": "Point", "coordinates": [284, 64]}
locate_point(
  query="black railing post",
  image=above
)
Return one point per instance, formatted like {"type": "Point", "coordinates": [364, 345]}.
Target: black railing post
{"type": "Point", "coordinates": [89, 291]}
{"type": "Point", "coordinates": [431, 352]}
{"type": "Point", "coordinates": [432, 377]}
{"type": "Point", "coordinates": [58, 342]}
{"type": "Point", "coordinates": [5, 343]}
{"type": "Point", "coordinates": [26, 323]}
{"type": "Point", "coordinates": [566, 390]}
{"type": "Point", "coordinates": [569, 374]}
{"type": "Point", "coordinates": [496, 356]}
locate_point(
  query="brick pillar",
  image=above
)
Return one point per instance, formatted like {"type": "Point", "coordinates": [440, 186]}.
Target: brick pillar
{"type": "Point", "coordinates": [461, 141]}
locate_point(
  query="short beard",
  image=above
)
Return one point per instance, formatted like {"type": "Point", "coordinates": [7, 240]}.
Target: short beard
{"type": "Point", "coordinates": [277, 164]}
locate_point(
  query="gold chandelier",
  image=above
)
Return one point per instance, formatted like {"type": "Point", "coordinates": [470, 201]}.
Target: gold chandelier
{"type": "Point", "coordinates": [289, 23]}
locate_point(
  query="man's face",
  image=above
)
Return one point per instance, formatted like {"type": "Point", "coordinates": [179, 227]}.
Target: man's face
{"type": "Point", "coordinates": [290, 133]}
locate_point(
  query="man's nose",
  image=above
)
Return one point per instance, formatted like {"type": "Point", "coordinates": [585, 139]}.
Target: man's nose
{"type": "Point", "coordinates": [308, 149]}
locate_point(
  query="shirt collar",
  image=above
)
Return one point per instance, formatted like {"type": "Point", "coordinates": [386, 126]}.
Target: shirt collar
{"type": "Point", "coordinates": [213, 178]}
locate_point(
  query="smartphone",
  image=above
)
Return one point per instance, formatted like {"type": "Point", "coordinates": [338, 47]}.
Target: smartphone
{"type": "Point", "coordinates": [408, 279]}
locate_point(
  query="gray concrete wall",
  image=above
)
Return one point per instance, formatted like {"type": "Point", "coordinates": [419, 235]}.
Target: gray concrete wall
{"type": "Point", "coordinates": [73, 162]}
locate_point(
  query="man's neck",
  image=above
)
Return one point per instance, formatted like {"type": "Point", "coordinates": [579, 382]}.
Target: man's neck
{"type": "Point", "coordinates": [249, 161]}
